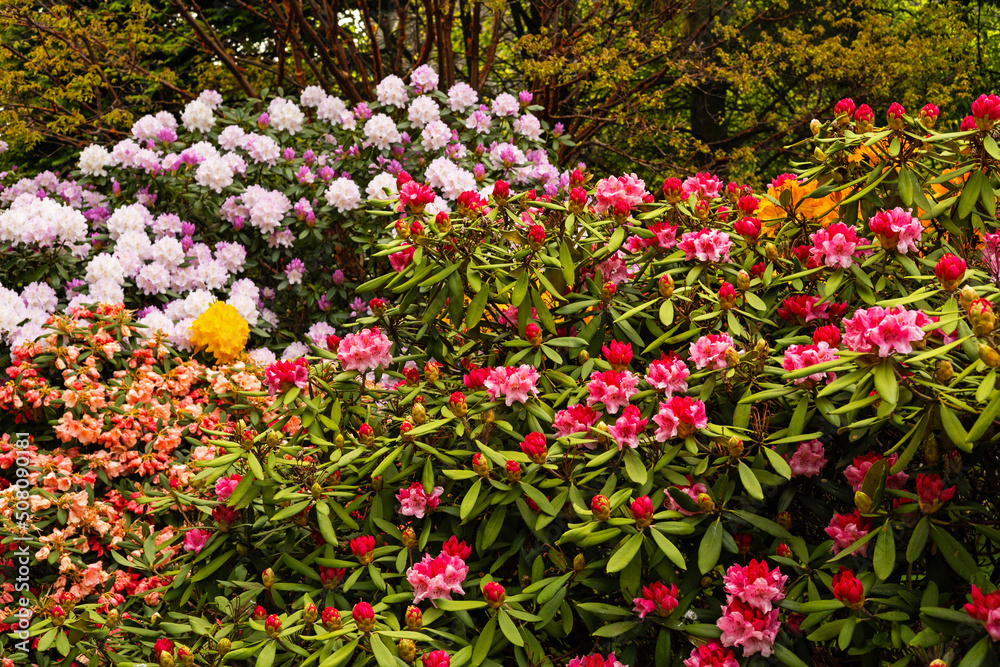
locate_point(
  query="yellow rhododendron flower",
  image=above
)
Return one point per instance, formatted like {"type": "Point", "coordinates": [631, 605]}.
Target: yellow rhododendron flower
{"type": "Point", "coordinates": [221, 331]}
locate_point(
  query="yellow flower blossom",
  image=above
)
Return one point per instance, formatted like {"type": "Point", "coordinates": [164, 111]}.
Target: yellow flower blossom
{"type": "Point", "coordinates": [221, 331]}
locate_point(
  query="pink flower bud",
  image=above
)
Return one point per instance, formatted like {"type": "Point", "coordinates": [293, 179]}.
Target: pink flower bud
{"type": "Point", "coordinates": [950, 270]}
{"type": "Point", "coordinates": [481, 465]}
{"type": "Point", "coordinates": [642, 512]}
{"type": "Point", "coordinates": [986, 111]}
{"type": "Point", "coordinates": [364, 548]}
{"type": "Point", "coordinates": [331, 619]}
{"type": "Point", "coordinates": [513, 472]}
{"type": "Point", "coordinates": [535, 448]}
{"type": "Point", "coordinates": [844, 110]}
{"type": "Point", "coordinates": [533, 334]}
{"type": "Point", "coordinates": [436, 659]}
{"type": "Point", "coordinates": [601, 507]}
{"type": "Point", "coordinates": [727, 296]}
{"type": "Point", "coordinates": [272, 626]}
{"type": "Point", "coordinates": [673, 190]}
{"type": "Point", "coordinates": [366, 435]}
{"type": "Point", "coordinates": [364, 616]}
{"type": "Point", "coordinates": [848, 589]}
{"type": "Point", "coordinates": [501, 192]}
{"type": "Point", "coordinates": [414, 619]}
{"type": "Point", "coordinates": [259, 613]}
{"type": "Point", "coordinates": [929, 115]}
{"type": "Point", "coordinates": [749, 228]}
{"type": "Point", "coordinates": [894, 116]}
{"type": "Point", "coordinates": [494, 594]}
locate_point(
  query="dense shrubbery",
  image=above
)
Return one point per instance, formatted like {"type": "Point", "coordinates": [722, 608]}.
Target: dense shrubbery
{"type": "Point", "coordinates": [704, 426]}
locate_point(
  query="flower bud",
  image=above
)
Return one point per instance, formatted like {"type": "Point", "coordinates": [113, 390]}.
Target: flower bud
{"type": "Point", "coordinates": [377, 306]}
{"type": "Point", "coordinates": [481, 464]}
{"type": "Point", "coordinates": [57, 616]}
{"type": "Point", "coordinates": [366, 435]}
{"type": "Point", "coordinates": [673, 190]}
{"type": "Point", "coordinates": [743, 281]}
{"type": "Point", "coordinates": [113, 619]}
{"type": "Point", "coordinates": [608, 291]}
{"type": "Point", "coordinates": [815, 126]}
{"type": "Point", "coordinates": [377, 482]}
{"type": "Point", "coordinates": [259, 613]}
{"type": "Point", "coordinates": [489, 416]}
{"type": "Point", "coordinates": [601, 507]}
{"type": "Point", "coordinates": [944, 371]}
{"type": "Point", "coordinates": [535, 447]}
{"type": "Point", "coordinates": [185, 655]}
{"type": "Point", "coordinates": [666, 285]}
{"type": "Point", "coordinates": [272, 626]}
{"type": "Point", "coordinates": [642, 512]}
{"type": "Point", "coordinates": [165, 659]}
{"type": "Point", "coordinates": [533, 335]}
{"type": "Point", "coordinates": [222, 646]}
{"type": "Point", "coordinates": [536, 237]}
{"type": "Point", "coordinates": [966, 297]}
{"type": "Point", "coordinates": [702, 209]}
{"type": "Point", "coordinates": [404, 430]}
{"type": "Point", "coordinates": [863, 502]}
{"type": "Point", "coordinates": [414, 619]}
{"type": "Point", "coordinates": [894, 116]}
{"type": "Point", "coordinates": [771, 252]}
{"type": "Point", "coordinates": [734, 446]}
{"type": "Point", "coordinates": [579, 562]}
{"type": "Point", "coordinates": [409, 538]}
{"type": "Point", "coordinates": [331, 619]}
{"type": "Point", "coordinates": [494, 594]}
{"type": "Point", "coordinates": [732, 358]}
{"type": "Point", "coordinates": [310, 613]}
{"type": "Point", "coordinates": [577, 200]}
{"type": "Point", "coordinates": [418, 413]}
{"type": "Point", "coordinates": [432, 370]}
{"type": "Point", "coordinates": [407, 650]}
{"type": "Point", "coordinates": [784, 519]}
{"type": "Point", "coordinates": [268, 578]}
{"type": "Point", "coordinates": [501, 192]}
{"type": "Point", "coordinates": [705, 502]}
{"type": "Point", "coordinates": [273, 438]}
{"type": "Point", "coordinates": [583, 357]}
{"type": "Point", "coordinates": [364, 616]}
{"type": "Point", "coordinates": [442, 222]}
{"type": "Point", "coordinates": [513, 472]}
{"type": "Point", "coordinates": [338, 441]}
{"type": "Point", "coordinates": [316, 490]}
{"type": "Point", "coordinates": [458, 405]}
{"type": "Point", "coordinates": [988, 355]}
{"type": "Point", "coordinates": [363, 548]}
{"type": "Point", "coordinates": [784, 551]}
{"type": "Point", "coordinates": [743, 541]}
{"type": "Point", "coordinates": [727, 296]}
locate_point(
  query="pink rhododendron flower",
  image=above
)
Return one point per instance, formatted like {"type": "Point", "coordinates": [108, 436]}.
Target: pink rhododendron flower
{"type": "Point", "coordinates": [710, 351]}
{"type": "Point", "coordinates": [612, 388]}
{"type": "Point", "coordinates": [804, 356]}
{"type": "Point", "coordinates": [285, 374]}
{"type": "Point", "coordinates": [891, 330]}
{"type": "Point", "coordinates": [749, 628]}
{"type": "Point", "coordinates": [402, 258]}
{"type": "Point", "coordinates": [712, 654]}
{"type": "Point", "coordinates": [439, 577]}
{"type": "Point", "coordinates": [846, 529]}
{"type": "Point", "coordinates": [577, 418]}
{"type": "Point", "coordinates": [692, 491]}
{"type": "Point", "coordinates": [627, 428]}
{"type": "Point", "coordinates": [706, 245]}
{"type": "Point", "coordinates": [364, 351]}
{"type": "Point", "coordinates": [679, 417]}
{"type": "Point", "coordinates": [755, 584]}
{"type": "Point", "coordinates": [414, 501]}
{"type": "Point", "coordinates": [196, 539]}
{"type": "Point", "coordinates": [808, 460]}
{"type": "Point", "coordinates": [629, 189]}
{"type": "Point", "coordinates": [836, 245]}
{"type": "Point", "coordinates": [855, 473]}
{"type": "Point", "coordinates": [513, 384]}
{"type": "Point", "coordinates": [986, 610]}
{"type": "Point", "coordinates": [896, 230]}
{"type": "Point", "coordinates": [224, 486]}
{"type": "Point", "coordinates": [804, 308]}
{"type": "Point", "coordinates": [668, 374]}
{"type": "Point", "coordinates": [657, 597]}
{"type": "Point", "coordinates": [703, 185]}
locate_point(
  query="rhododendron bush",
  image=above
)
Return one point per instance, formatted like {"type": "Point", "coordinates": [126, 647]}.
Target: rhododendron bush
{"type": "Point", "coordinates": [621, 425]}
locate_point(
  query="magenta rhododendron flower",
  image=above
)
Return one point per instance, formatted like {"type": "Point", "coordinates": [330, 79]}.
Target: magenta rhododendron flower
{"type": "Point", "coordinates": [986, 610]}
{"type": "Point", "coordinates": [755, 584]}
{"type": "Point", "coordinates": [805, 308]}
{"type": "Point", "coordinates": [415, 502]}
{"type": "Point", "coordinates": [627, 428]}
{"type": "Point", "coordinates": [224, 486]}
{"type": "Point", "coordinates": [612, 388]}
{"type": "Point", "coordinates": [679, 417]}
{"type": "Point", "coordinates": [403, 257]}
{"type": "Point", "coordinates": [748, 627]}
{"type": "Point", "coordinates": [628, 189]}
{"type": "Point", "coordinates": [931, 494]}
{"type": "Point", "coordinates": [283, 375]}
{"type": "Point", "coordinates": [595, 660]}
{"type": "Point", "coordinates": [804, 356]}
{"type": "Point", "coordinates": [846, 529]}
{"type": "Point", "coordinates": [364, 351]}
{"type": "Point", "coordinates": [896, 230]}
{"type": "Point", "coordinates": [658, 598]}
{"type": "Point", "coordinates": [703, 185]}
{"type": "Point", "coordinates": [710, 351]}
{"type": "Point", "coordinates": [706, 245]}
{"type": "Point", "coordinates": [892, 330]}
{"type": "Point", "coordinates": [196, 539]}
{"type": "Point", "coordinates": [712, 654]}
{"type": "Point", "coordinates": [577, 418]}
{"type": "Point", "coordinates": [845, 108]}
{"type": "Point", "coordinates": [848, 589]}
{"type": "Point", "coordinates": [437, 577]}
{"type": "Point", "coordinates": [668, 374]}
{"type": "Point", "coordinates": [808, 459]}
{"type": "Point", "coordinates": [855, 473]}
{"type": "Point", "coordinates": [836, 246]}
{"type": "Point", "coordinates": [512, 384]}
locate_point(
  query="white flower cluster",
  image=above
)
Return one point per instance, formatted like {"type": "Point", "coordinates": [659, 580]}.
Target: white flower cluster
{"type": "Point", "coordinates": [444, 175]}
{"type": "Point", "coordinates": [44, 223]}
{"type": "Point", "coordinates": [344, 195]}
{"type": "Point", "coordinates": [285, 115]}
{"type": "Point", "coordinates": [23, 316]}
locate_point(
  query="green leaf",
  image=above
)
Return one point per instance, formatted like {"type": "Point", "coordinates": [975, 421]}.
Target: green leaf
{"type": "Point", "coordinates": [953, 427]}
{"type": "Point", "coordinates": [847, 633]}
{"type": "Point", "coordinates": [469, 501]}
{"type": "Point", "coordinates": [484, 643]}
{"type": "Point", "coordinates": [885, 382]}
{"type": "Point", "coordinates": [984, 421]}
{"type": "Point", "coordinates": [509, 629]}
{"type": "Point", "coordinates": [216, 563]}
{"type": "Point", "coordinates": [615, 629]}
{"type": "Point", "coordinates": [956, 555]}
{"type": "Point", "coordinates": [711, 547]}
{"type": "Point", "coordinates": [627, 551]}
{"type": "Point", "coordinates": [634, 467]}
{"type": "Point", "coordinates": [266, 657]}
{"type": "Point", "coordinates": [779, 464]}
{"type": "Point", "coordinates": [750, 482]}
{"type": "Point", "coordinates": [341, 655]}
{"type": "Point", "coordinates": [978, 654]}
{"type": "Point", "coordinates": [907, 186]}
{"type": "Point", "coordinates": [383, 656]}
{"type": "Point", "coordinates": [970, 194]}
{"type": "Point", "coordinates": [884, 559]}
{"type": "Point", "coordinates": [566, 260]}
{"type": "Point", "coordinates": [476, 308]}
{"type": "Point", "coordinates": [918, 539]}
{"type": "Point", "coordinates": [827, 631]}
{"type": "Point", "coordinates": [788, 657]}
{"type": "Point", "coordinates": [520, 289]}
